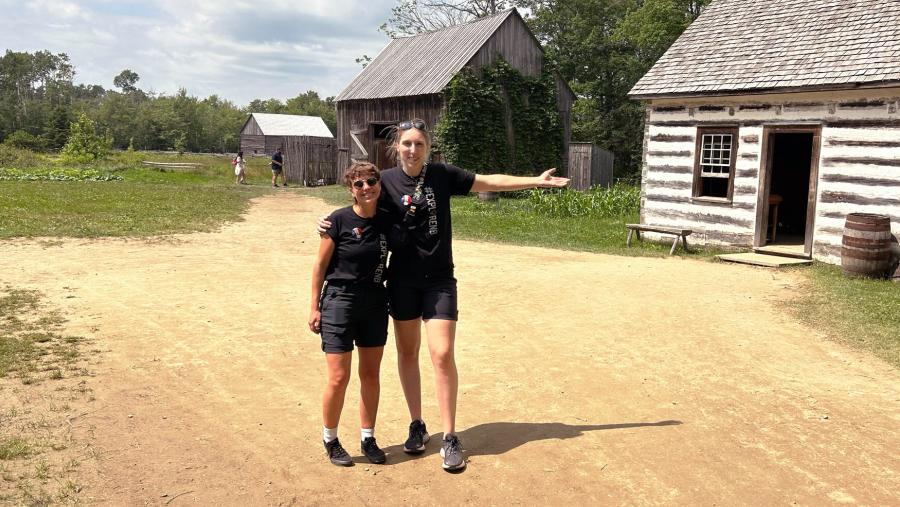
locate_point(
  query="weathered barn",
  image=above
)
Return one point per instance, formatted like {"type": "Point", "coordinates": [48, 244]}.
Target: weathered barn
{"type": "Point", "coordinates": [406, 79]}
{"type": "Point", "coordinates": [768, 122]}
{"type": "Point", "coordinates": [307, 143]}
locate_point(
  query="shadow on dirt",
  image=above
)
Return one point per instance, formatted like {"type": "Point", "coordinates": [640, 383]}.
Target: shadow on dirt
{"type": "Point", "coordinates": [499, 437]}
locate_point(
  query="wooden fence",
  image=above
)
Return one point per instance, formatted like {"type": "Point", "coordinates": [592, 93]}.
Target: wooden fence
{"type": "Point", "coordinates": [310, 160]}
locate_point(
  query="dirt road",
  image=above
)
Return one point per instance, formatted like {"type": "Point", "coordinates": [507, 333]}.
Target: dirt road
{"type": "Point", "coordinates": [584, 379]}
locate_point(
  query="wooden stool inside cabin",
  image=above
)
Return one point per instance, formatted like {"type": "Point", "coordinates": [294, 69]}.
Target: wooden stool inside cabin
{"type": "Point", "coordinates": [774, 201]}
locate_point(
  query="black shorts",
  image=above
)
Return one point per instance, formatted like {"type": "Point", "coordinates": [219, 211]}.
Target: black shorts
{"type": "Point", "coordinates": [429, 298]}
{"type": "Point", "coordinates": [353, 314]}
{"type": "Point", "coordinates": [276, 170]}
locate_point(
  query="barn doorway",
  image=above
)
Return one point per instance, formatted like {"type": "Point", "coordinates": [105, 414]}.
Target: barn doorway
{"type": "Point", "coordinates": [380, 155]}
{"type": "Point", "coordinates": [787, 204]}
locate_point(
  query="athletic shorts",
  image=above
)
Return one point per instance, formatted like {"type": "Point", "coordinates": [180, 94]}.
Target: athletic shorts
{"type": "Point", "coordinates": [429, 298]}
{"type": "Point", "coordinates": [353, 314]}
{"type": "Point", "coordinates": [276, 170]}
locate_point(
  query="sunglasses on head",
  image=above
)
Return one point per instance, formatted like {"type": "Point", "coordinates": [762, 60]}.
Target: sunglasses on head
{"type": "Point", "coordinates": [406, 125]}
{"type": "Point", "coordinates": [369, 181]}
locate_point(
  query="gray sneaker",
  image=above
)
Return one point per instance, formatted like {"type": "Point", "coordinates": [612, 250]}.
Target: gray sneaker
{"type": "Point", "coordinates": [418, 437]}
{"type": "Point", "coordinates": [451, 451]}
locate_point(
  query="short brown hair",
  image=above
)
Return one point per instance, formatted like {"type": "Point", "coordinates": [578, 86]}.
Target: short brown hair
{"type": "Point", "coordinates": [359, 170]}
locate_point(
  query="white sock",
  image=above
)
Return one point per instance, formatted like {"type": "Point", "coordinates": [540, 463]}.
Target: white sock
{"type": "Point", "coordinates": [329, 434]}
{"type": "Point", "coordinates": [366, 433]}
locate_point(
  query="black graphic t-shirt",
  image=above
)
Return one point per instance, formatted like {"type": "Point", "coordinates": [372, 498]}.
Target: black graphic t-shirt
{"type": "Point", "coordinates": [360, 248]}
{"type": "Point", "coordinates": [421, 240]}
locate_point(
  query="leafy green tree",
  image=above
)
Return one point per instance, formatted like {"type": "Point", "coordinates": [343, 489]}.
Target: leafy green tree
{"type": "Point", "coordinates": [23, 140]}
{"type": "Point", "coordinates": [126, 81]}
{"type": "Point", "coordinates": [30, 83]}
{"type": "Point", "coordinates": [85, 145]}
{"type": "Point", "coordinates": [602, 49]}
{"type": "Point", "coordinates": [309, 104]}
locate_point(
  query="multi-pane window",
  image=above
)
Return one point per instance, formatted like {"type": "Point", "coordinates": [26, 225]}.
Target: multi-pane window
{"type": "Point", "coordinates": [716, 151]}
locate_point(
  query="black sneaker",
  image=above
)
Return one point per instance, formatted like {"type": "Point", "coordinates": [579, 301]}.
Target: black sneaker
{"type": "Point", "coordinates": [337, 454]}
{"type": "Point", "coordinates": [371, 450]}
{"type": "Point", "coordinates": [451, 451]}
{"type": "Point", "coordinates": [418, 437]}
{"type": "Point", "coordinates": [274, 186]}
{"type": "Point", "coordinates": [284, 184]}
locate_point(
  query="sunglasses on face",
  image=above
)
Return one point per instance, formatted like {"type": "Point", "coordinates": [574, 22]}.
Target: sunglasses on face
{"type": "Point", "coordinates": [369, 181]}
{"type": "Point", "coordinates": [406, 125]}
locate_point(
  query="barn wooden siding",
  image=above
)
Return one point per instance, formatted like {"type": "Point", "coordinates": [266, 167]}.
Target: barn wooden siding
{"type": "Point", "coordinates": [589, 166]}
{"type": "Point", "coordinates": [310, 160]}
{"type": "Point", "coordinates": [356, 116]}
{"type": "Point", "coordinates": [858, 164]}
{"type": "Point", "coordinates": [254, 142]}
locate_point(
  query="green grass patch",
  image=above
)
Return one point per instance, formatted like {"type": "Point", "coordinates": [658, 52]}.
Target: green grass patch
{"type": "Point", "coordinates": [862, 313]}
{"type": "Point", "coordinates": [14, 447]}
{"type": "Point", "coordinates": [120, 197]}
{"type": "Point", "coordinates": [31, 346]}
{"type": "Point", "coordinates": [126, 208]}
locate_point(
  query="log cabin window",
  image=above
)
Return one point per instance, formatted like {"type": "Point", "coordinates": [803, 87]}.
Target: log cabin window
{"type": "Point", "coordinates": [714, 167]}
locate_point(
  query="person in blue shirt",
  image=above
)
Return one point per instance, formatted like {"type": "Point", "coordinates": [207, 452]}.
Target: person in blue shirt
{"type": "Point", "coordinates": [278, 168]}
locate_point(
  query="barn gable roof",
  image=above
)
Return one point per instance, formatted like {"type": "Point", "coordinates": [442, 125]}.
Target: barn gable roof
{"type": "Point", "coordinates": [291, 125]}
{"type": "Point", "coordinates": [746, 46]}
{"type": "Point", "coordinates": [424, 63]}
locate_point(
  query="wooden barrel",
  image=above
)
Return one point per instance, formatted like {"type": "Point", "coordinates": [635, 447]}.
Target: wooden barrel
{"type": "Point", "coordinates": [866, 245]}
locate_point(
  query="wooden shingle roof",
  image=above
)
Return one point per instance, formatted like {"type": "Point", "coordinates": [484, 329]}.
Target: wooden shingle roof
{"type": "Point", "coordinates": [291, 125]}
{"type": "Point", "coordinates": [422, 64]}
{"type": "Point", "coordinates": [747, 46]}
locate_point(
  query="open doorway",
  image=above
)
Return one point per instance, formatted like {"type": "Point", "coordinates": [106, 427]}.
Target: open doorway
{"type": "Point", "coordinates": [788, 201]}
{"type": "Point", "coordinates": [381, 157]}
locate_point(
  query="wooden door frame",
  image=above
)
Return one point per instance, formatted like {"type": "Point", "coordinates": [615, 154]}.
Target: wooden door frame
{"type": "Point", "coordinates": [765, 176]}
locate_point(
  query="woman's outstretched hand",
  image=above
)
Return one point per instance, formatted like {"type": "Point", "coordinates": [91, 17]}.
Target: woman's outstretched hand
{"type": "Point", "coordinates": [547, 180]}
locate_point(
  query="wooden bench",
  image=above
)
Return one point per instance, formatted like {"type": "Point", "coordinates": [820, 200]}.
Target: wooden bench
{"type": "Point", "coordinates": [660, 229]}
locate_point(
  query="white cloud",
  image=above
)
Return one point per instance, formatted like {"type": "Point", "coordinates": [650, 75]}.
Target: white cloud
{"type": "Point", "coordinates": [233, 48]}
{"type": "Point", "coordinates": [58, 8]}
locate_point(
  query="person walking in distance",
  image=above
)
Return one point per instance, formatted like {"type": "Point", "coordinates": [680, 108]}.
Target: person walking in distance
{"type": "Point", "coordinates": [278, 168]}
{"type": "Point", "coordinates": [239, 168]}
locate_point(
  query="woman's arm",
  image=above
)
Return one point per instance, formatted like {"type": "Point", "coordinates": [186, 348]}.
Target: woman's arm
{"type": "Point", "coordinates": [326, 249]}
{"type": "Point", "coordinates": [505, 182]}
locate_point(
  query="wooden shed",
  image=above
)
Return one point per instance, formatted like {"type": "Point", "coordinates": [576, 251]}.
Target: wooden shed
{"type": "Point", "coordinates": [406, 79]}
{"type": "Point", "coordinates": [768, 122]}
{"type": "Point", "coordinates": [590, 166]}
{"type": "Point", "coordinates": [307, 144]}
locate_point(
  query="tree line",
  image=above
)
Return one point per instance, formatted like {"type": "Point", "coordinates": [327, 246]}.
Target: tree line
{"type": "Point", "coordinates": [39, 102]}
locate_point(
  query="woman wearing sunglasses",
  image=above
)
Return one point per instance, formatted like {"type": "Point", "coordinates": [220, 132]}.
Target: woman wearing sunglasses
{"type": "Point", "coordinates": [421, 283]}
{"type": "Point", "coordinates": [352, 307]}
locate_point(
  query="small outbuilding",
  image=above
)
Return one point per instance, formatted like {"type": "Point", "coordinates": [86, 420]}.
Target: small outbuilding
{"type": "Point", "coordinates": [307, 143]}
{"type": "Point", "coordinates": [407, 78]}
{"type": "Point", "coordinates": [767, 123]}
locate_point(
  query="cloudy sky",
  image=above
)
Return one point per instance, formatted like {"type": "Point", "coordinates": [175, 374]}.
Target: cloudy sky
{"type": "Point", "coordinates": [237, 49]}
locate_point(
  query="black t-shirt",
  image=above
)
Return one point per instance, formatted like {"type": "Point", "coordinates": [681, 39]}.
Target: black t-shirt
{"type": "Point", "coordinates": [360, 248]}
{"type": "Point", "coordinates": [279, 158]}
{"type": "Point", "coordinates": [424, 246]}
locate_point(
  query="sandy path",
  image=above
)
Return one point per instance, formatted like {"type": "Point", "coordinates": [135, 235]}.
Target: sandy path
{"type": "Point", "coordinates": [584, 378]}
